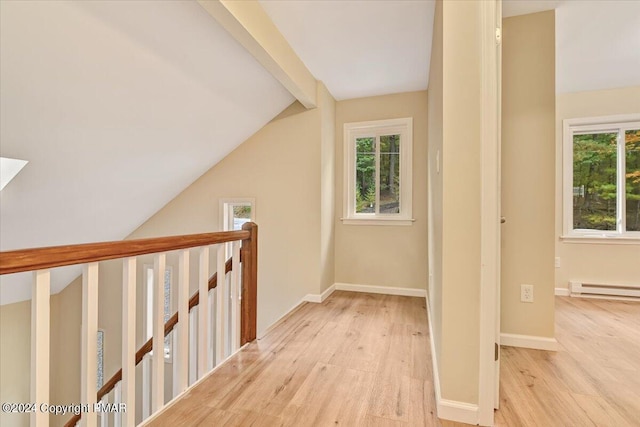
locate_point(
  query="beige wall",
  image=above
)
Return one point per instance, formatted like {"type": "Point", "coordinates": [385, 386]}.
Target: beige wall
{"type": "Point", "coordinates": [528, 162]}
{"type": "Point", "coordinates": [460, 169]}
{"type": "Point", "coordinates": [66, 318]}
{"type": "Point", "coordinates": [387, 255]}
{"type": "Point", "coordinates": [15, 345]}
{"type": "Point", "coordinates": [327, 107]}
{"type": "Point", "coordinates": [455, 187]}
{"type": "Point", "coordinates": [597, 263]}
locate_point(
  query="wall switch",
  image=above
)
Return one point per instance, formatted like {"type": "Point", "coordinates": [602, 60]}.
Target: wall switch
{"type": "Point", "coordinates": [557, 262]}
{"type": "Point", "coordinates": [526, 293]}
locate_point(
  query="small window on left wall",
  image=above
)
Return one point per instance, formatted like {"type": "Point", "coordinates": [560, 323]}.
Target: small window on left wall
{"type": "Point", "coordinates": [100, 359]}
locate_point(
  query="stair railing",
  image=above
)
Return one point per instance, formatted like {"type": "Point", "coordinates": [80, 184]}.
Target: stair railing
{"type": "Point", "coordinates": [232, 330]}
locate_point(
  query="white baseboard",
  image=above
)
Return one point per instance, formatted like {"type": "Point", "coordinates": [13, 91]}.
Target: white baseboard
{"type": "Point", "coordinates": [460, 412]}
{"type": "Point", "coordinates": [562, 292]}
{"type": "Point", "coordinates": [529, 341]}
{"type": "Point", "coordinates": [318, 298]}
{"type": "Point", "coordinates": [387, 290]}
{"type": "Point", "coordinates": [448, 409]}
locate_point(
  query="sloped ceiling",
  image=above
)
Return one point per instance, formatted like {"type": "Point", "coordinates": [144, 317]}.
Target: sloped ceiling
{"type": "Point", "coordinates": [359, 48]}
{"type": "Point", "coordinates": [117, 106]}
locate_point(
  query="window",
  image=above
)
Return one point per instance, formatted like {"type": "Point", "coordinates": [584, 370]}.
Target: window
{"type": "Point", "coordinates": [378, 178]}
{"type": "Point", "coordinates": [100, 359]}
{"type": "Point", "coordinates": [235, 212]}
{"type": "Point", "coordinates": [149, 306]}
{"type": "Point", "coordinates": [602, 177]}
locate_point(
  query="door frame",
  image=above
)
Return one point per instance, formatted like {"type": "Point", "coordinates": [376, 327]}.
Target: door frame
{"type": "Point", "coordinates": [489, 210]}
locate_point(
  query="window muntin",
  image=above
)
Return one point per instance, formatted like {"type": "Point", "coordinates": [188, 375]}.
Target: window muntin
{"type": "Point", "coordinates": [602, 177]}
{"type": "Point", "coordinates": [378, 177]}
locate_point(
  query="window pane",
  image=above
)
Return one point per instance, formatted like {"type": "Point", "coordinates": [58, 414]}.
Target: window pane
{"type": "Point", "coordinates": [594, 181]}
{"type": "Point", "coordinates": [632, 155]}
{"type": "Point", "coordinates": [390, 174]}
{"type": "Point", "coordinates": [241, 214]}
{"type": "Point", "coordinates": [365, 175]}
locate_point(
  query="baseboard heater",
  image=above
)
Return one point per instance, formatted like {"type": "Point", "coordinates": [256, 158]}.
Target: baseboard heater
{"type": "Point", "coordinates": [599, 290]}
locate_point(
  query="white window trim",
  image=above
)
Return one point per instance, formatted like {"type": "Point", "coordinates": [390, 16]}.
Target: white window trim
{"type": "Point", "coordinates": [402, 126]}
{"type": "Point", "coordinates": [145, 321]}
{"type": "Point", "coordinates": [225, 204]}
{"type": "Point", "coordinates": [225, 217]}
{"type": "Point", "coordinates": [615, 123]}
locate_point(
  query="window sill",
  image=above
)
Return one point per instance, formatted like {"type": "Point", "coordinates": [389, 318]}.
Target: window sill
{"type": "Point", "coordinates": [601, 239]}
{"type": "Point", "coordinates": [377, 221]}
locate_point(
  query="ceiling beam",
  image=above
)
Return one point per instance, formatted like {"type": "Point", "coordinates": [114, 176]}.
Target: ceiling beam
{"type": "Point", "coordinates": [250, 25]}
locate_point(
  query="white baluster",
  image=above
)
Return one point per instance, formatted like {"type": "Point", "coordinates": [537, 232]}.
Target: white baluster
{"type": "Point", "coordinates": [193, 345]}
{"type": "Point", "coordinates": [211, 301]}
{"type": "Point", "coordinates": [235, 296]}
{"type": "Point", "coordinates": [203, 311]}
{"type": "Point", "coordinates": [222, 299]}
{"type": "Point", "coordinates": [104, 420]}
{"type": "Point", "coordinates": [129, 340]}
{"type": "Point", "coordinates": [157, 360]}
{"type": "Point", "coordinates": [40, 309]}
{"type": "Point", "coordinates": [117, 398]}
{"type": "Point", "coordinates": [181, 347]}
{"type": "Point", "coordinates": [146, 386]}
{"type": "Point", "coordinates": [89, 342]}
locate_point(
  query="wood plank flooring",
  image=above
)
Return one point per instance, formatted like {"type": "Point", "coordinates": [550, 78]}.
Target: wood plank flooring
{"type": "Point", "coordinates": [364, 360]}
{"type": "Point", "coordinates": [594, 378]}
{"type": "Point", "coordinates": [355, 360]}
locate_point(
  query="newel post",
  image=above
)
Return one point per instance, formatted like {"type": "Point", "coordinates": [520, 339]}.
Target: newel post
{"type": "Point", "coordinates": [249, 257]}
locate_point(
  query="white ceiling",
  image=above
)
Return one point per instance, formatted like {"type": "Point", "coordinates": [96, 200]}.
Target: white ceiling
{"type": "Point", "coordinates": [117, 106]}
{"type": "Point", "coordinates": [597, 45]}
{"type": "Point", "coordinates": [366, 48]}
{"type": "Point", "coordinates": [359, 48]}
{"type": "Point", "coordinates": [522, 7]}
{"type": "Point", "coordinates": [597, 41]}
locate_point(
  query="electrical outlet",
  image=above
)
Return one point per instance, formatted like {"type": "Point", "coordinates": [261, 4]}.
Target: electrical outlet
{"type": "Point", "coordinates": [557, 262]}
{"type": "Point", "coordinates": [526, 293]}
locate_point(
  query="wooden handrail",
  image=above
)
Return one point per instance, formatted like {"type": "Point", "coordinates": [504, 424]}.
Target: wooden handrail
{"type": "Point", "coordinates": [58, 256]}
{"type": "Point", "coordinates": [148, 346]}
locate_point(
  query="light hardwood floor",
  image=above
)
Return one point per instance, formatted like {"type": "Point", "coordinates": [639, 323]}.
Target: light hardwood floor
{"type": "Point", "coordinates": [364, 360]}
{"type": "Point", "coordinates": [355, 360]}
{"type": "Point", "coordinates": [594, 378]}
